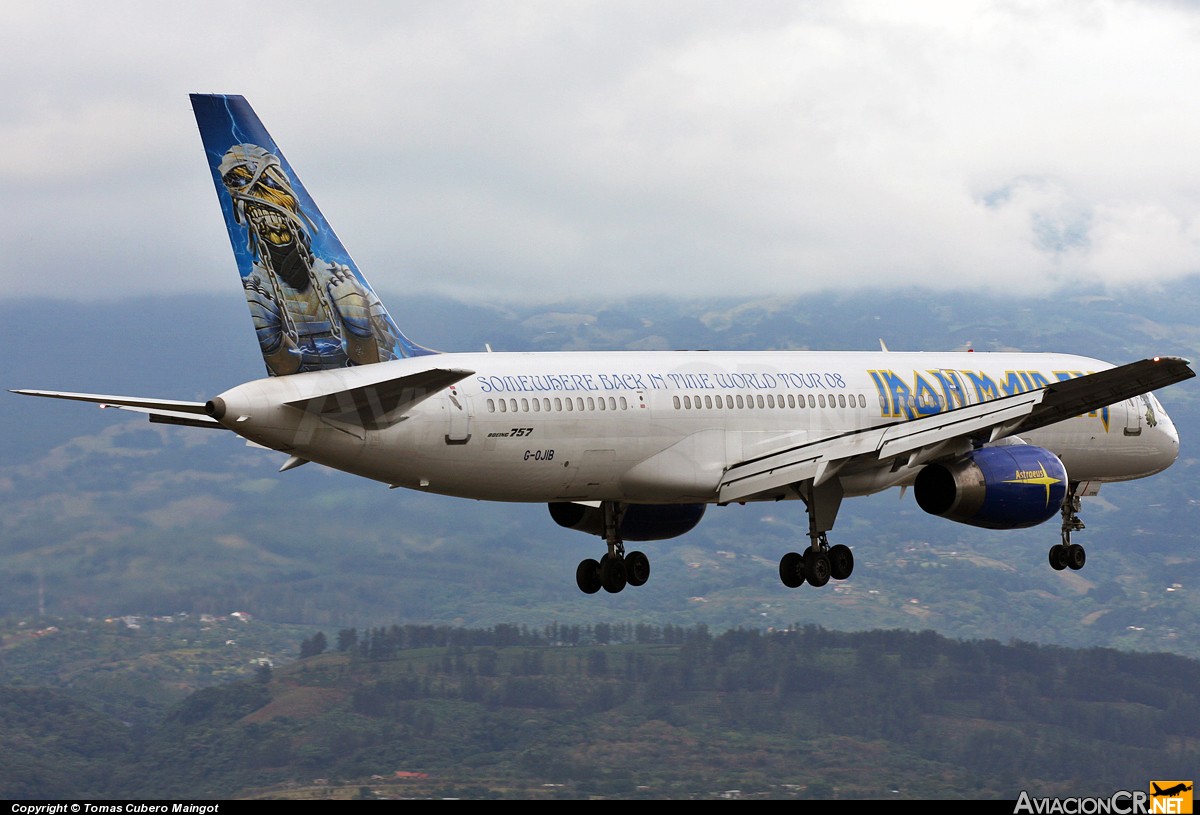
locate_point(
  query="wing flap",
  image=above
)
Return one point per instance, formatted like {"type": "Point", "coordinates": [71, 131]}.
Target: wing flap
{"type": "Point", "coordinates": [817, 459]}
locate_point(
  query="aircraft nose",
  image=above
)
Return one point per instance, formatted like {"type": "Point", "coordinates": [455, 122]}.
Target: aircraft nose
{"type": "Point", "coordinates": [1165, 440]}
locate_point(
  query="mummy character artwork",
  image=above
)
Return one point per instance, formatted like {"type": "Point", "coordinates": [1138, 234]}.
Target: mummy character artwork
{"type": "Point", "coordinates": [309, 313]}
{"type": "Point", "coordinates": [312, 309]}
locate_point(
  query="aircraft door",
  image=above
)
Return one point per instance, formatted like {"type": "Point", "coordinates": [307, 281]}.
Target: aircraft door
{"type": "Point", "coordinates": [1133, 416]}
{"type": "Point", "coordinates": [458, 417]}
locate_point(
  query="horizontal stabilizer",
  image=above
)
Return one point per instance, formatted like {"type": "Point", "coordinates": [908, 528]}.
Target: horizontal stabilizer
{"type": "Point", "coordinates": [162, 411]}
{"type": "Point", "coordinates": [381, 404]}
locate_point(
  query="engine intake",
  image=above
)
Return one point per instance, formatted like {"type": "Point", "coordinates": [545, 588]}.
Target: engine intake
{"type": "Point", "coordinates": [641, 522]}
{"type": "Point", "coordinates": [1009, 487]}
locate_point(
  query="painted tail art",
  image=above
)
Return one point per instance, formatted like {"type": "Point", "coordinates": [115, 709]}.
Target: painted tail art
{"type": "Point", "coordinates": [312, 308]}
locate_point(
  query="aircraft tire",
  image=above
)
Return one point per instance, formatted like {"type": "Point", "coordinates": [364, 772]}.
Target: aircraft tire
{"type": "Point", "coordinates": [791, 570]}
{"type": "Point", "coordinates": [1058, 557]}
{"type": "Point", "coordinates": [587, 576]}
{"type": "Point", "coordinates": [1076, 557]}
{"type": "Point", "coordinates": [841, 561]}
{"type": "Point", "coordinates": [816, 568]}
{"type": "Point", "coordinates": [637, 568]}
{"type": "Point", "coordinates": [612, 574]}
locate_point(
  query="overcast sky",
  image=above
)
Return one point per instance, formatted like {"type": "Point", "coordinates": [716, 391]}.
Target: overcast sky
{"type": "Point", "coordinates": [539, 150]}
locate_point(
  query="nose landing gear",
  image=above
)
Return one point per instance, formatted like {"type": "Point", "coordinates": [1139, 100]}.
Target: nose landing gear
{"type": "Point", "coordinates": [1067, 555]}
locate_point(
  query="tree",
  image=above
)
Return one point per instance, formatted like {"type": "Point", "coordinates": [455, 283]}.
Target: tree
{"type": "Point", "coordinates": [347, 639]}
{"type": "Point", "coordinates": [313, 646]}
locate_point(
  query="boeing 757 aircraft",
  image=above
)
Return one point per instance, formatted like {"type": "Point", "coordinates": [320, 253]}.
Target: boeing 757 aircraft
{"type": "Point", "coordinates": [634, 446]}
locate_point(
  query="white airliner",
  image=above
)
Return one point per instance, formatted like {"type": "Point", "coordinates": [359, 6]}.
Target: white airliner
{"type": "Point", "coordinates": [635, 445]}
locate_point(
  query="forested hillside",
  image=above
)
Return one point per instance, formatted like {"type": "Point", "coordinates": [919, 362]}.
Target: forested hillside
{"type": "Point", "coordinates": [630, 711]}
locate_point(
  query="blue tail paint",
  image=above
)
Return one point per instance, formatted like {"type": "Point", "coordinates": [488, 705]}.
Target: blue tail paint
{"type": "Point", "coordinates": [312, 307]}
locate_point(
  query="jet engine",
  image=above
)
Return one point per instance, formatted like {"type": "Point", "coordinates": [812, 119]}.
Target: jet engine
{"type": "Point", "coordinates": [1007, 487]}
{"type": "Point", "coordinates": [640, 522]}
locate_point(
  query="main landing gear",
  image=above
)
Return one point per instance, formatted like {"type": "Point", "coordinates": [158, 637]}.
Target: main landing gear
{"type": "Point", "coordinates": [820, 562]}
{"type": "Point", "coordinates": [1067, 555]}
{"type": "Point", "coordinates": [615, 570]}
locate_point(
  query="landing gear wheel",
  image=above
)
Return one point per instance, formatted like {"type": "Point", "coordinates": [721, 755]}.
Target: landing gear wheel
{"type": "Point", "coordinates": [816, 568]}
{"type": "Point", "coordinates": [1076, 557]}
{"type": "Point", "coordinates": [841, 561]}
{"type": "Point", "coordinates": [637, 568]}
{"type": "Point", "coordinates": [791, 570]}
{"type": "Point", "coordinates": [587, 576]}
{"type": "Point", "coordinates": [1058, 557]}
{"type": "Point", "coordinates": [612, 574]}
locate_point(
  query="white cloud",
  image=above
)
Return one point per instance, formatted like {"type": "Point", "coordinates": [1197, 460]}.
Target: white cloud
{"type": "Point", "coordinates": [537, 149]}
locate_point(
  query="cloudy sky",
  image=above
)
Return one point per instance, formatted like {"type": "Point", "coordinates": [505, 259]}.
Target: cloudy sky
{"type": "Point", "coordinates": [539, 150]}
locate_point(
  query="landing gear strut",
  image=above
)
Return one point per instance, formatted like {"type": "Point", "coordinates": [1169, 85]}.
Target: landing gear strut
{"type": "Point", "coordinates": [820, 561]}
{"type": "Point", "coordinates": [614, 570]}
{"type": "Point", "coordinates": [1066, 554]}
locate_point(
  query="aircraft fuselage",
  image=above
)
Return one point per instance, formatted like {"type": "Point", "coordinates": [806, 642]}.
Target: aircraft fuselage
{"type": "Point", "coordinates": [662, 427]}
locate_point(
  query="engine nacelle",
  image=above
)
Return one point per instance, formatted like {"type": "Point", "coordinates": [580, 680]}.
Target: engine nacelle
{"type": "Point", "coordinates": [641, 522]}
{"type": "Point", "coordinates": [1008, 487]}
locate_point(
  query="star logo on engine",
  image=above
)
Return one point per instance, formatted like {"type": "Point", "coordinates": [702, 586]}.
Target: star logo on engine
{"type": "Point", "coordinates": [1038, 476]}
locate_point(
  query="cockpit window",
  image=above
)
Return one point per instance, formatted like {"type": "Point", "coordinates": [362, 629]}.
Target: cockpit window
{"type": "Point", "coordinates": [1151, 413]}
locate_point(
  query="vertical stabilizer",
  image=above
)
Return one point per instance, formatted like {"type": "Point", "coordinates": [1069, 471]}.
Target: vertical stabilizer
{"type": "Point", "coordinates": [312, 307]}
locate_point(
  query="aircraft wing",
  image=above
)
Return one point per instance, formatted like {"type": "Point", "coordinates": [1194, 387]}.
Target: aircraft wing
{"type": "Point", "coordinates": [163, 411]}
{"type": "Point", "coordinates": [946, 433]}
